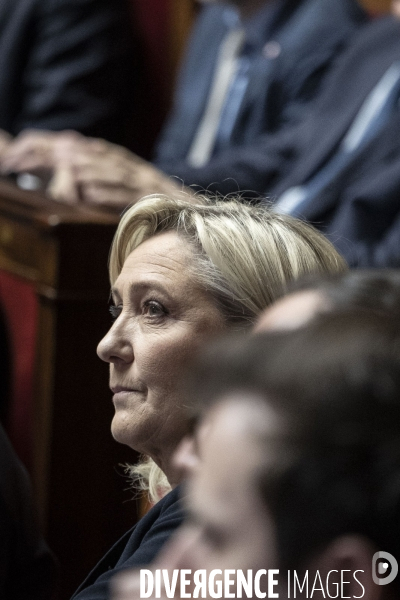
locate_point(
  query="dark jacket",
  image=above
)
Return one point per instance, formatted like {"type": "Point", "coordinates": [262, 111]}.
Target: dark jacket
{"type": "Point", "coordinates": [360, 210]}
{"type": "Point", "coordinates": [66, 64]}
{"type": "Point", "coordinates": [290, 45]}
{"type": "Point", "coordinates": [138, 547]}
{"type": "Point", "coordinates": [27, 569]}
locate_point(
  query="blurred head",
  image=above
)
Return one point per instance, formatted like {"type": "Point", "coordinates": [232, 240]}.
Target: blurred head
{"type": "Point", "coordinates": [395, 8]}
{"type": "Point", "coordinates": [377, 290]}
{"type": "Point", "coordinates": [292, 311]}
{"type": "Point", "coordinates": [302, 449]}
{"type": "Point", "coordinates": [180, 273]}
{"type": "Point", "coordinates": [229, 526]}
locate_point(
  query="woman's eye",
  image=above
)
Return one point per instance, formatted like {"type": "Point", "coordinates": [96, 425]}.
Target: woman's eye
{"type": "Point", "coordinates": [152, 308]}
{"type": "Point", "coordinates": [115, 311]}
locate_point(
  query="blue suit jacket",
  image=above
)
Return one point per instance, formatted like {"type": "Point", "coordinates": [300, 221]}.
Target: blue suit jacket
{"type": "Point", "coordinates": [289, 59]}
{"type": "Point", "coordinates": [360, 209]}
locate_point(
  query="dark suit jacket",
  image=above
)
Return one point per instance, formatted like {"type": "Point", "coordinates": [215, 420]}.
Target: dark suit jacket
{"type": "Point", "coordinates": [298, 43]}
{"type": "Point", "coordinates": [138, 547]}
{"type": "Point", "coordinates": [360, 210]}
{"type": "Point", "coordinates": [66, 64]}
{"type": "Point", "coordinates": [27, 569]}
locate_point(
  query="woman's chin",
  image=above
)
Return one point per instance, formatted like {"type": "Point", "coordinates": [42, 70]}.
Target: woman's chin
{"type": "Point", "coordinates": [121, 429]}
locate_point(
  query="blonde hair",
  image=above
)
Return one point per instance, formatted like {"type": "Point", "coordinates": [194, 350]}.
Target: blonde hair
{"type": "Point", "coordinates": [243, 255]}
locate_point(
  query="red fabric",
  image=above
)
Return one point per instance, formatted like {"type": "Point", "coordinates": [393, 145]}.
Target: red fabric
{"type": "Point", "coordinates": [19, 303]}
{"type": "Point", "coordinates": [151, 24]}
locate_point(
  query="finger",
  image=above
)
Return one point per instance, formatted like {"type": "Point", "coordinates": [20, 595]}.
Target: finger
{"type": "Point", "coordinates": [33, 164]}
{"type": "Point", "coordinates": [70, 146]}
{"type": "Point", "coordinates": [99, 146]}
{"type": "Point", "coordinates": [26, 154]}
{"type": "Point", "coordinates": [5, 137]}
{"type": "Point", "coordinates": [46, 135]}
{"type": "Point", "coordinates": [84, 160]}
{"type": "Point", "coordinates": [102, 147]}
{"type": "Point", "coordinates": [63, 186]}
{"type": "Point", "coordinates": [108, 196]}
{"type": "Point", "coordinates": [34, 149]}
{"type": "Point", "coordinates": [5, 141]}
{"type": "Point", "coordinates": [106, 172]}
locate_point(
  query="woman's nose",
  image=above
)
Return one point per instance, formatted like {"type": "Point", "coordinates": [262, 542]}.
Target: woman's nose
{"type": "Point", "coordinates": [115, 347]}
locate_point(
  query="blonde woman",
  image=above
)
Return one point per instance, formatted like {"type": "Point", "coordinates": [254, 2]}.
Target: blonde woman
{"type": "Point", "coordinates": [181, 273]}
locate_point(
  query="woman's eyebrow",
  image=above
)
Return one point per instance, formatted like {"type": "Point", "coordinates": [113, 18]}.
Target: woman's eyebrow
{"type": "Point", "coordinates": [144, 286]}
{"type": "Point", "coordinates": [140, 287]}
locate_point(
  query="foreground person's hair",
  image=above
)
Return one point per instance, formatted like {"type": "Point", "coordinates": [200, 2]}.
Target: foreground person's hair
{"type": "Point", "coordinates": [243, 255]}
{"type": "Point", "coordinates": [370, 289]}
{"type": "Point", "coordinates": [336, 384]}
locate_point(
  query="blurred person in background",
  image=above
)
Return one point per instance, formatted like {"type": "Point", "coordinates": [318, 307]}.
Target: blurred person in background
{"type": "Point", "coordinates": [67, 64]}
{"type": "Point", "coordinates": [284, 49]}
{"type": "Point", "coordinates": [338, 168]}
{"type": "Point", "coordinates": [300, 461]}
{"type": "Point", "coordinates": [182, 273]}
{"type": "Point", "coordinates": [251, 69]}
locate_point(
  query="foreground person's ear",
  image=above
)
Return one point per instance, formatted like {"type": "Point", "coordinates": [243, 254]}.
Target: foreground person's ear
{"type": "Point", "coordinates": [186, 457]}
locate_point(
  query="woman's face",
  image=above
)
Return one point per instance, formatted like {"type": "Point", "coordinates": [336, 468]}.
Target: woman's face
{"type": "Point", "coordinates": [161, 316]}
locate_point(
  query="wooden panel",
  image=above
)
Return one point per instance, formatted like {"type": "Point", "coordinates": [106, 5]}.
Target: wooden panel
{"type": "Point", "coordinates": [376, 7]}
{"type": "Point", "coordinates": [63, 251]}
{"type": "Point", "coordinates": [182, 13]}
{"type": "Point", "coordinates": [20, 258]}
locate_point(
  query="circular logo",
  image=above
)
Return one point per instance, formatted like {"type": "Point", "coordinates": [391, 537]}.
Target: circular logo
{"type": "Point", "coordinates": [384, 568]}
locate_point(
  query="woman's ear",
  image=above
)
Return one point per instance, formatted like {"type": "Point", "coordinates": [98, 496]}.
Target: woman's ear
{"type": "Point", "coordinates": [345, 570]}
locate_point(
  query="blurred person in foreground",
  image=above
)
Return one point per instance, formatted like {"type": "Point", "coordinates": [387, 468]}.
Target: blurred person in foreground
{"type": "Point", "coordinates": [371, 290]}
{"type": "Point", "coordinates": [180, 274]}
{"type": "Point", "coordinates": [27, 568]}
{"type": "Point", "coordinates": [252, 68]}
{"type": "Point", "coordinates": [300, 462]}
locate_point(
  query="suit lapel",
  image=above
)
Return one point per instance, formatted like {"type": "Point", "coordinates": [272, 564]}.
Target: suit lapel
{"type": "Point", "coordinates": [386, 148]}
{"type": "Point", "coordinates": [277, 35]}
{"type": "Point", "coordinates": [336, 108]}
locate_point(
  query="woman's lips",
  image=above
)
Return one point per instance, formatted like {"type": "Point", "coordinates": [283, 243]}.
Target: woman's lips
{"type": "Point", "coordinates": [122, 394]}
